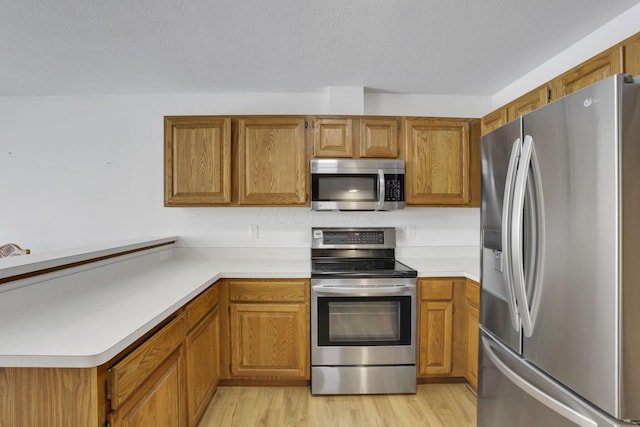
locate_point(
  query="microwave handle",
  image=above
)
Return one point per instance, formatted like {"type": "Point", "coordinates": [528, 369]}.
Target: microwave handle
{"type": "Point", "coordinates": [381, 189]}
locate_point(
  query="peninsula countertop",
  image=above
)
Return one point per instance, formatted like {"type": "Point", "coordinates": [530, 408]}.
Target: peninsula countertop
{"type": "Point", "coordinates": [84, 316]}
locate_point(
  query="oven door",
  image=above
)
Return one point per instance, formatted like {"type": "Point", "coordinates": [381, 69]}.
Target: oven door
{"type": "Point", "coordinates": [363, 322]}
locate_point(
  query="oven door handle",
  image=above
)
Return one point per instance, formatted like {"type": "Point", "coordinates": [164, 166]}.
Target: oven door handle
{"type": "Point", "coordinates": [382, 291]}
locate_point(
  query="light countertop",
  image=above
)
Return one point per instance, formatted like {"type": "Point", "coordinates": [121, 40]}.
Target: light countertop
{"type": "Point", "coordinates": [84, 316]}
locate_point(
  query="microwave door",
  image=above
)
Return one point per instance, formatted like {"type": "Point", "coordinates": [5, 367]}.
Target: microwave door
{"type": "Point", "coordinates": [347, 192]}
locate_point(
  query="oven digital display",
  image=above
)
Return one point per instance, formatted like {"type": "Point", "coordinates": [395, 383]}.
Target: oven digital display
{"type": "Point", "coordinates": [353, 237]}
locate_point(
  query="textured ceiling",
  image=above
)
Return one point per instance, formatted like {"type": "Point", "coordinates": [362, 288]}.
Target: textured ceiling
{"type": "Point", "coordinates": [452, 47]}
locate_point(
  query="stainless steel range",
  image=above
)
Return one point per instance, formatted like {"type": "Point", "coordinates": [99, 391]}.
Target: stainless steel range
{"type": "Point", "coordinates": [363, 313]}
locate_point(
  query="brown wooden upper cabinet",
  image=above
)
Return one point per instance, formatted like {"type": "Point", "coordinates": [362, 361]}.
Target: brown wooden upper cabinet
{"type": "Point", "coordinates": [528, 102]}
{"type": "Point", "coordinates": [631, 48]}
{"type": "Point", "coordinates": [437, 161]}
{"type": "Point", "coordinates": [516, 108]}
{"type": "Point", "coordinates": [365, 137]}
{"type": "Point", "coordinates": [599, 67]}
{"type": "Point", "coordinates": [332, 137]}
{"type": "Point", "coordinates": [379, 137]}
{"type": "Point", "coordinates": [621, 58]}
{"type": "Point", "coordinates": [494, 120]}
{"type": "Point", "coordinates": [197, 160]}
{"type": "Point", "coordinates": [231, 161]}
{"type": "Point", "coordinates": [272, 161]}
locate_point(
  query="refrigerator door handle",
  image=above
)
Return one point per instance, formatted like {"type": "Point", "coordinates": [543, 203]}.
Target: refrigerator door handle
{"type": "Point", "coordinates": [507, 202]}
{"type": "Point", "coordinates": [534, 392]}
{"type": "Point", "coordinates": [528, 312]}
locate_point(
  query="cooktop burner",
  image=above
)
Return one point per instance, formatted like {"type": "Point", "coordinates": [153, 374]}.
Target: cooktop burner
{"type": "Point", "coordinates": [360, 267]}
{"type": "Point", "coordinates": [356, 252]}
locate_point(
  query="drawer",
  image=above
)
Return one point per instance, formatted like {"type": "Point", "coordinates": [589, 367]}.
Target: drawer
{"type": "Point", "coordinates": [295, 290]}
{"type": "Point", "coordinates": [129, 373]}
{"type": "Point", "coordinates": [436, 289]}
{"type": "Point", "coordinates": [473, 293]}
{"type": "Point", "coordinates": [201, 305]}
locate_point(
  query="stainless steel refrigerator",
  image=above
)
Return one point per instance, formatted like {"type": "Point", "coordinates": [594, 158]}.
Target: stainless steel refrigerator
{"type": "Point", "coordinates": [560, 299]}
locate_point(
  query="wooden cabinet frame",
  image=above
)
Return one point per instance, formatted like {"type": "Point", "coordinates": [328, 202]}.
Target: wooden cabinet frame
{"type": "Point", "coordinates": [437, 161]}
{"type": "Point", "coordinates": [442, 329]}
{"type": "Point", "coordinates": [197, 161]}
{"type": "Point", "coordinates": [355, 136]}
{"type": "Point", "coordinates": [267, 331]}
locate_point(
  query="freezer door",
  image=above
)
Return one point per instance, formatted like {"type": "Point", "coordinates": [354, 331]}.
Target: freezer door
{"type": "Point", "coordinates": [498, 313]}
{"type": "Point", "coordinates": [515, 393]}
{"type": "Point", "coordinates": [575, 336]}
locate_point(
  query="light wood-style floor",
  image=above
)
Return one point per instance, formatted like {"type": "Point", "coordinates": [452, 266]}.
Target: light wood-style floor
{"type": "Point", "coordinates": [435, 405]}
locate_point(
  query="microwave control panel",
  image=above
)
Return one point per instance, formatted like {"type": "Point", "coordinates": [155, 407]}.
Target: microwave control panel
{"type": "Point", "coordinates": [393, 188]}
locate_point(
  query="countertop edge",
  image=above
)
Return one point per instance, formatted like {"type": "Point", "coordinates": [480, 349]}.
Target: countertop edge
{"type": "Point", "coordinates": [264, 269]}
{"type": "Point", "coordinates": [21, 265]}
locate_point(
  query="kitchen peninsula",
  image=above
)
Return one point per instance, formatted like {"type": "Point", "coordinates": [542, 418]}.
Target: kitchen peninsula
{"type": "Point", "coordinates": [78, 325]}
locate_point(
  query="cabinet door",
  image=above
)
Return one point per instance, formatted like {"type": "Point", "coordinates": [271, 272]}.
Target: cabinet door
{"type": "Point", "coordinates": [158, 402]}
{"type": "Point", "coordinates": [528, 102]}
{"type": "Point", "coordinates": [332, 137]}
{"type": "Point", "coordinates": [272, 161]}
{"type": "Point", "coordinates": [197, 166]}
{"type": "Point", "coordinates": [437, 162]}
{"type": "Point", "coordinates": [436, 337]}
{"type": "Point", "coordinates": [269, 340]}
{"type": "Point", "coordinates": [632, 55]}
{"type": "Point", "coordinates": [379, 137]}
{"type": "Point", "coordinates": [493, 120]}
{"type": "Point", "coordinates": [473, 324]}
{"type": "Point", "coordinates": [595, 69]}
{"type": "Point", "coordinates": [436, 327]}
{"type": "Point", "coordinates": [128, 375]}
{"type": "Point", "coordinates": [203, 364]}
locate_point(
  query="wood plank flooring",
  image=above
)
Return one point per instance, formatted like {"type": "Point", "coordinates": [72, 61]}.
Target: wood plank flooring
{"type": "Point", "coordinates": [434, 405]}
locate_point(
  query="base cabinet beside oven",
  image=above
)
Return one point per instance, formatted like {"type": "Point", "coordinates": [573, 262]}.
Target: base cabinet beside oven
{"type": "Point", "coordinates": [268, 329]}
{"type": "Point", "coordinates": [473, 324]}
{"type": "Point", "coordinates": [442, 337]}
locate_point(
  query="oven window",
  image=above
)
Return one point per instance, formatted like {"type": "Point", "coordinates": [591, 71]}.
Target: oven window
{"type": "Point", "coordinates": [345, 187]}
{"type": "Point", "coordinates": [364, 321]}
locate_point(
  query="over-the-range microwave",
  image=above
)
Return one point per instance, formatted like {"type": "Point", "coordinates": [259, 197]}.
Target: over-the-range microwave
{"type": "Point", "coordinates": [357, 184]}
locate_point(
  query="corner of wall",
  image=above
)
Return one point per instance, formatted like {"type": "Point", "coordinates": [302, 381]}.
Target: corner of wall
{"type": "Point", "coordinates": [346, 100]}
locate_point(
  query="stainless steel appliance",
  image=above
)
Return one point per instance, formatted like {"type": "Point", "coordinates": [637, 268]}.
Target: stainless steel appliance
{"type": "Point", "coordinates": [363, 313]}
{"type": "Point", "coordinates": [559, 316]}
{"type": "Point", "coordinates": [357, 184]}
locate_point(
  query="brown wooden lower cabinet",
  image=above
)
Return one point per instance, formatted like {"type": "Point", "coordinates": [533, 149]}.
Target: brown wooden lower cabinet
{"type": "Point", "coordinates": [269, 329]}
{"type": "Point", "coordinates": [202, 348]}
{"type": "Point", "coordinates": [168, 379]}
{"type": "Point", "coordinates": [159, 401]}
{"type": "Point", "coordinates": [448, 329]}
{"type": "Point", "coordinates": [441, 338]}
{"type": "Point", "coordinates": [473, 324]}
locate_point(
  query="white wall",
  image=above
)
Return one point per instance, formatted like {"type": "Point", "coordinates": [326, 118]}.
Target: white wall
{"type": "Point", "coordinates": [89, 169]}
{"type": "Point", "coordinates": [610, 34]}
